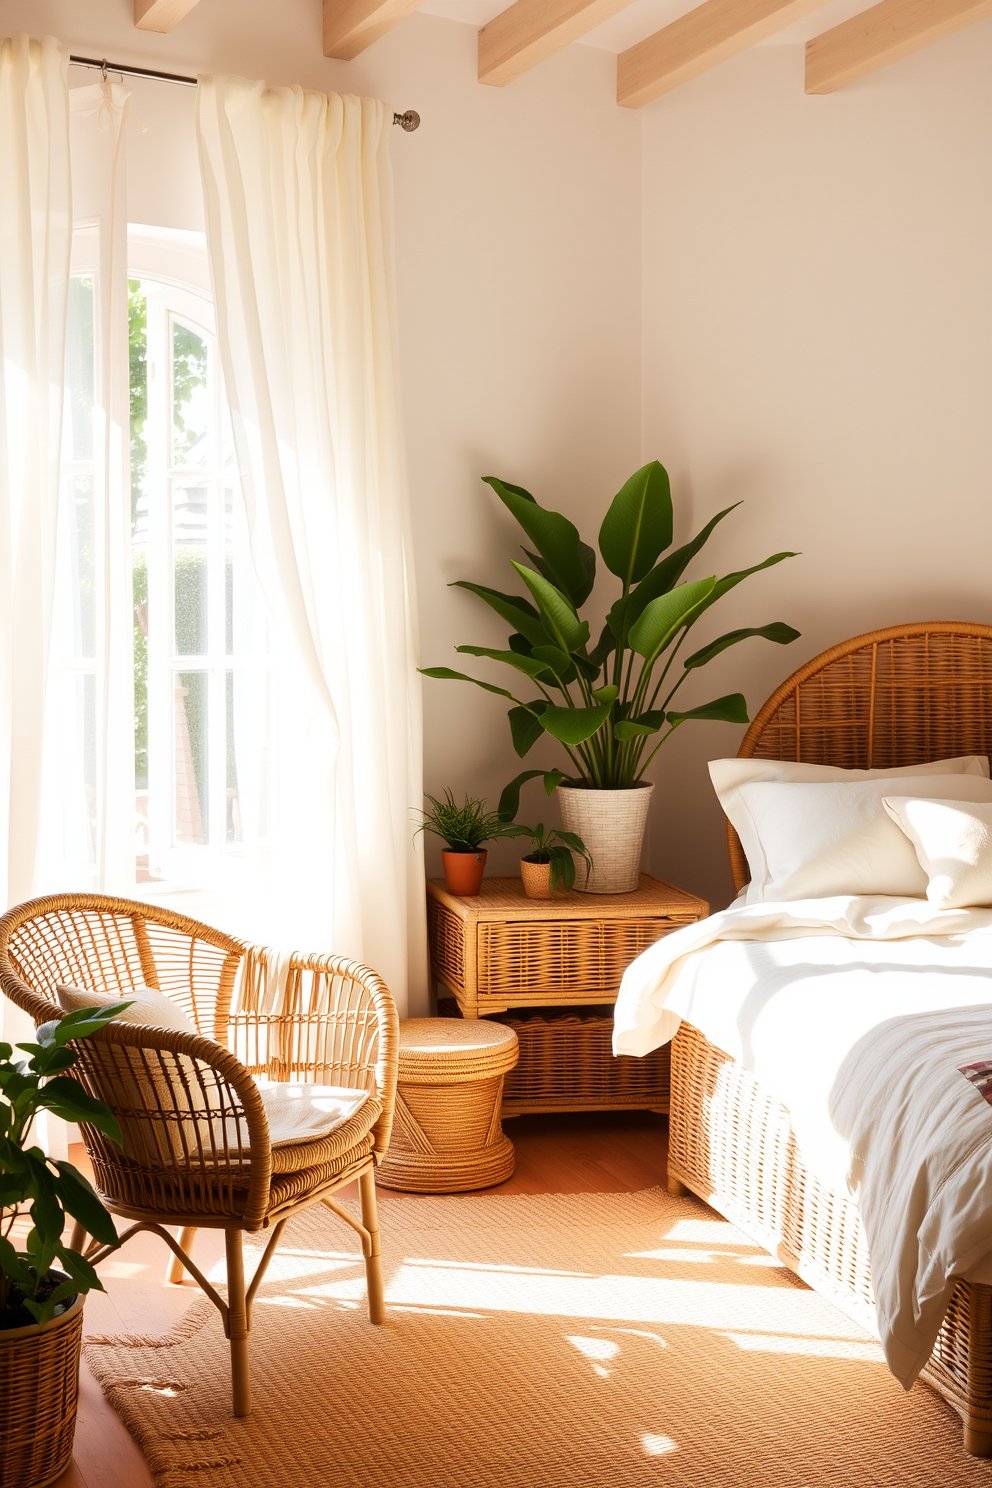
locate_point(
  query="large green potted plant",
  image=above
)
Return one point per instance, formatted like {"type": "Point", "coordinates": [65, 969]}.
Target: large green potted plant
{"type": "Point", "coordinates": [42, 1280]}
{"type": "Point", "coordinates": [609, 705]}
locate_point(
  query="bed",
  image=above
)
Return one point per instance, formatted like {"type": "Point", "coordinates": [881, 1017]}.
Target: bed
{"type": "Point", "coordinates": [895, 697]}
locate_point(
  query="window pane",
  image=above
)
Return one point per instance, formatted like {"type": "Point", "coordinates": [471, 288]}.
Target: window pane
{"type": "Point", "coordinates": [80, 371]}
{"type": "Point", "coordinates": [189, 546]}
{"type": "Point", "coordinates": [228, 571]}
{"type": "Point", "coordinates": [191, 790]}
{"type": "Point", "coordinates": [190, 401]}
{"type": "Point", "coordinates": [137, 335]}
{"type": "Point", "coordinates": [79, 492]}
{"type": "Point", "coordinates": [233, 804]}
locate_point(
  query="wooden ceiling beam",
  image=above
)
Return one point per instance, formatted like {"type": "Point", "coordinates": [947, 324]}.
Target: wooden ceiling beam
{"type": "Point", "coordinates": [708, 35]}
{"type": "Point", "coordinates": [533, 30]}
{"type": "Point", "coordinates": [160, 15]}
{"type": "Point", "coordinates": [884, 34]}
{"type": "Point", "coordinates": [352, 25]}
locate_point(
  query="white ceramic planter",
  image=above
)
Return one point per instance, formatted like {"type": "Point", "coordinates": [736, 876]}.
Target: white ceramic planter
{"type": "Point", "coordinates": [611, 823]}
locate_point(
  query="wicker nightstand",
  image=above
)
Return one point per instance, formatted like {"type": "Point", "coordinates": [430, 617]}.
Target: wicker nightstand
{"type": "Point", "coordinates": [501, 951]}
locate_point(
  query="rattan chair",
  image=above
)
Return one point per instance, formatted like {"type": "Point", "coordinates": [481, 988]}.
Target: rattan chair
{"type": "Point", "coordinates": [196, 1150]}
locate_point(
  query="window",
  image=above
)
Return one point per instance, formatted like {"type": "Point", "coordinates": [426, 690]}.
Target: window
{"type": "Point", "coordinates": [198, 649]}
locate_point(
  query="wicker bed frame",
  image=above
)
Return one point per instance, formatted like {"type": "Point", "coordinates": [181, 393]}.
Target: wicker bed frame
{"type": "Point", "coordinates": [893, 697]}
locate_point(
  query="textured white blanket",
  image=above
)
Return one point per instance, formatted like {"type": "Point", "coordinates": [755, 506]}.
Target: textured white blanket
{"type": "Point", "coordinates": [855, 1013]}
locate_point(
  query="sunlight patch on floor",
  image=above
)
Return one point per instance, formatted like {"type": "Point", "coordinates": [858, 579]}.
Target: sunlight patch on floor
{"type": "Point", "coordinates": [865, 1349]}
{"type": "Point", "coordinates": [657, 1446]}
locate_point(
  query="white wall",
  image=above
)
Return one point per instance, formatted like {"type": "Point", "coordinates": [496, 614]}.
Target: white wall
{"type": "Point", "coordinates": [818, 341]}
{"type": "Point", "coordinates": [518, 258]}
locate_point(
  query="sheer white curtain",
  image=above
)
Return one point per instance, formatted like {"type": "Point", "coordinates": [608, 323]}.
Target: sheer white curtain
{"type": "Point", "coordinates": [88, 830]}
{"type": "Point", "coordinates": [297, 188]}
{"type": "Point", "coordinates": [35, 239]}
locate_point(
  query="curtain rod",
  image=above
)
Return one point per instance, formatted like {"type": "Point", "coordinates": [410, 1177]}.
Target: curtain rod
{"type": "Point", "coordinates": [408, 121]}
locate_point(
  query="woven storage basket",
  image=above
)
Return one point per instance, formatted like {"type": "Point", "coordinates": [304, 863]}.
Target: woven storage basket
{"type": "Point", "coordinates": [567, 1063]}
{"type": "Point", "coordinates": [39, 1394]}
{"type": "Point", "coordinates": [447, 1135]}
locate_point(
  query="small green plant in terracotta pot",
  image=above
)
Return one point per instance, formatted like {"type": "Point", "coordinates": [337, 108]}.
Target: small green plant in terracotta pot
{"type": "Point", "coordinates": [549, 865]}
{"type": "Point", "coordinates": [464, 829]}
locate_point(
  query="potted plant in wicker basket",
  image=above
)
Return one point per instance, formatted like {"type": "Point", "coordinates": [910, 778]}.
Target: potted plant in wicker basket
{"type": "Point", "coordinates": [41, 1302]}
{"type": "Point", "coordinates": [549, 865]}
{"type": "Point", "coordinates": [608, 704]}
{"type": "Point", "coordinates": [464, 828]}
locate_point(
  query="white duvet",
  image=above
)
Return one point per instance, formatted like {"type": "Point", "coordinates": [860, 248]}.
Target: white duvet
{"type": "Point", "coordinates": [855, 1013]}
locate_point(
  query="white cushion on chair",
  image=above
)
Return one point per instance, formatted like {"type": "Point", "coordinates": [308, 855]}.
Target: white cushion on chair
{"type": "Point", "coordinates": [306, 1113]}
{"type": "Point", "coordinates": [149, 1007]}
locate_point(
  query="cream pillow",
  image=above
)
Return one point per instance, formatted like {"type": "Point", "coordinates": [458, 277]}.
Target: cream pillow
{"type": "Point", "coordinates": [837, 838]}
{"type": "Point", "coordinates": [953, 843]}
{"type": "Point", "coordinates": [149, 1008]}
{"type": "Point", "coordinates": [728, 775]}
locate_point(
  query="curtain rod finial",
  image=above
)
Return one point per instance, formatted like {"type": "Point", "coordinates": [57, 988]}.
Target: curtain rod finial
{"type": "Point", "coordinates": [408, 121]}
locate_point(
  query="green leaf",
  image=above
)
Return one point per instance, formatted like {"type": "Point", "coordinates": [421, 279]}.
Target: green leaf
{"type": "Point", "coordinates": [662, 578]}
{"type": "Point", "coordinates": [509, 801]}
{"type": "Point", "coordinates": [778, 632]}
{"type": "Point", "coordinates": [80, 1200]}
{"type": "Point", "coordinates": [84, 1021]}
{"type": "Point", "coordinates": [559, 661]}
{"type": "Point", "coordinates": [571, 840]}
{"type": "Point", "coordinates": [638, 525]}
{"type": "Point", "coordinates": [557, 611]}
{"type": "Point", "coordinates": [13, 1266]}
{"type": "Point", "coordinates": [447, 675]}
{"type": "Point", "coordinates": [46, 1211]}
{"type": "Point", "coordinates": [79, 1268]}
{"type": "Point", "coordinates": [67, 1098]}
{"type": "Point", "coordinates": [639, 727]}
{"type": "Point", "coordinates": [570, 561]}
{"type": "Point", "coordinates": [729, 709]}
{"type": "Point", "coordinates": [574, 725]}
{"type": "Point", "coordinates": [525, 726]}
{"type": "Point", "coordinates": [526, 664]}
{"type": "Point", "coordinates": [519, 613]}
{"type": "Point", "coordinates": [562, 867]}
{"type": "Point", "coordinates": [730, 581]}
{"type": "Point", "coordinates": [552, 780]}
{"type": "Point", "coordinates": [665, 616]}
{"type": "Point", "coordinates": [604, 647]}
{"type": "Point", "coordinates": [607, 694]}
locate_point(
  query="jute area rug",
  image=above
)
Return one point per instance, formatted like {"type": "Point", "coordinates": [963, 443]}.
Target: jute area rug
{"type": "Point", "coordinates": [588, 1341]}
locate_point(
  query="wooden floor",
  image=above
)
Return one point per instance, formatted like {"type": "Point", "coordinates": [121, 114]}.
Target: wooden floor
{"type": "Point", "coordinates": [597, 1153]}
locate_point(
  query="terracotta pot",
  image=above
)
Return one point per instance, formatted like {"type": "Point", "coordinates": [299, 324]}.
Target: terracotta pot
{"type": "Point", "coordinates": [537, 879]}
{"type": "Point", "coordinates": [611, 823]}
{"type": "Point", "coordinates": [463, 871]}
{"type": "Point", "coordinates": [39, 1387]}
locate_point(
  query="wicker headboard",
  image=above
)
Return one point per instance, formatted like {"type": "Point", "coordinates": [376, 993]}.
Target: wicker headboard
{"type": "Point", "coordinates": [892, 697]}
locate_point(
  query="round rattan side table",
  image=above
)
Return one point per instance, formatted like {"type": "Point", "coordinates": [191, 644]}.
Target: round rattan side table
{"type": "Point", "coordinates": [447, 1135]}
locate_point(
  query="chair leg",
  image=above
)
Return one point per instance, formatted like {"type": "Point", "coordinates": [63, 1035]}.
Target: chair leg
{"type": "Point", "coordinates": [175, 1271]}
{"type": "Point", "coordinates": [373, 1258]}
{"type": "Point", "coordinates": [237, 1323]}
{"type": "Point", "coordinates": [77, 1238]}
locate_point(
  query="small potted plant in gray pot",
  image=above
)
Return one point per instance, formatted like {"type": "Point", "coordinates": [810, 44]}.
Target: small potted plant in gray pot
{"type": "Point", "coordinates": [464, 829]}
{"type": "Point", "coordinates": [42, 1280]}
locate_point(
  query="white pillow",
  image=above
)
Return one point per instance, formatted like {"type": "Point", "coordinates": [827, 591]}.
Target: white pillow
{"type": "Point", "coordinates": [728, 775]}
{"type": "Point", "coordinates": [953, 843]}
{"type": "Point", "coordinates": [149, 1007]}
{"type": "Point", "coordinates": [837, 838]}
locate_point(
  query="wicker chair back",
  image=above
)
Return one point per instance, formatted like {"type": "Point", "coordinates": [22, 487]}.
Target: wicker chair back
{"type": "Point", "coordinates": [893, 697]}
